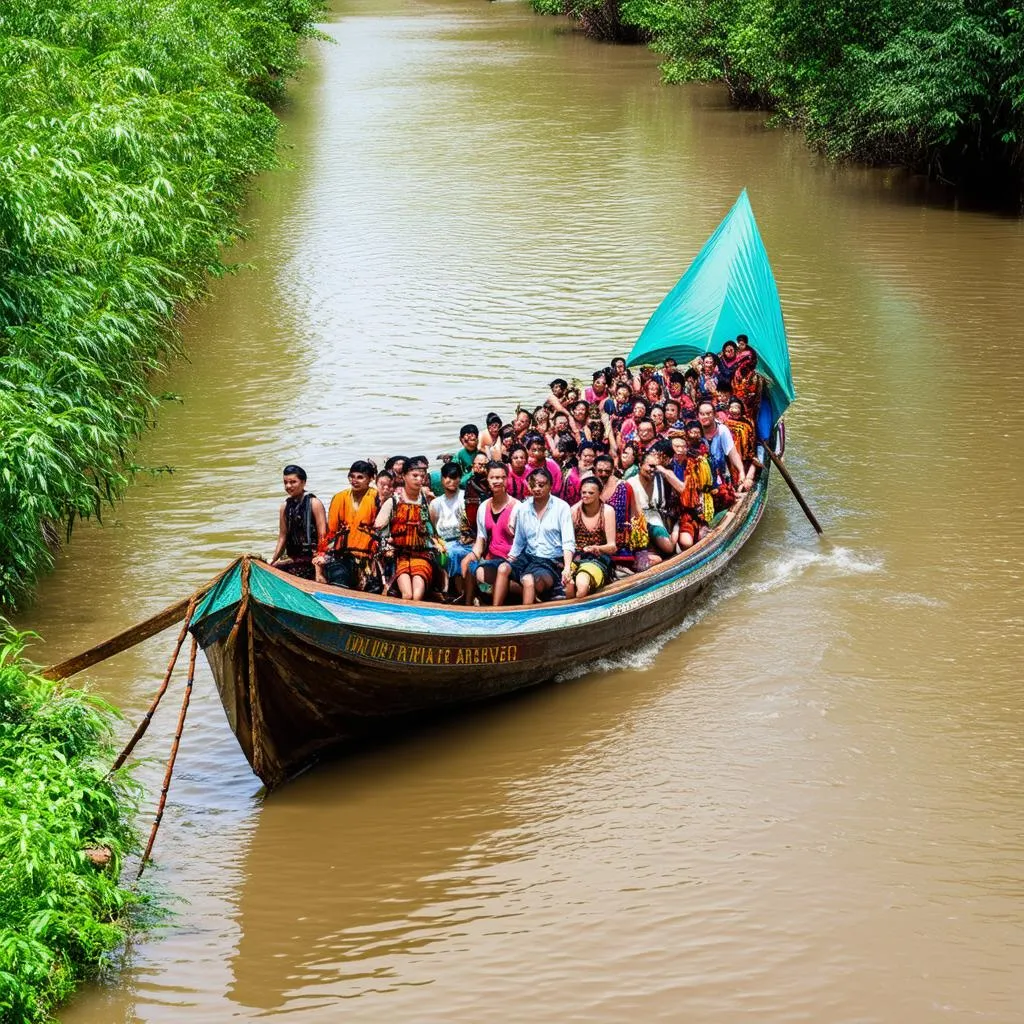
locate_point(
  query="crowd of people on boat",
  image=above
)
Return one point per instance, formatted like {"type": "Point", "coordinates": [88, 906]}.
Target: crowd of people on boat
{"type": "Point", "coordinates": [595, 482]}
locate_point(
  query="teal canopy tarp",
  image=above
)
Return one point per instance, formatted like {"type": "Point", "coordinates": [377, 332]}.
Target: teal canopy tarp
{"type": "Point", "coordinates": [727, 290]}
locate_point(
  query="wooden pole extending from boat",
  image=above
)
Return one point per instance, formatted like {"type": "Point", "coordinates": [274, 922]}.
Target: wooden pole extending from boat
{"type": "Point", "coordinates": [793, 487]}
{"type": "Point", "coordinates": [133, 636]}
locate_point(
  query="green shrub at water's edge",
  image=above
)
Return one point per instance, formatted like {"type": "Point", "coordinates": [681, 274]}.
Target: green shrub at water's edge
{"type": "Point", "coordinates": [128, 132]}
{"type": "Point", "coordinates": [59, 915]}
{"type": "Point", "coordinates": [936, 85]}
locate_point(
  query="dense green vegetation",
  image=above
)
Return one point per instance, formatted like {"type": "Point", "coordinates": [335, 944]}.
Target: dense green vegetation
{"type": "Point", "coordinates": [128, 131]}
{"type": "Point", "coordinates": [938, 86]}
{"type": "Point", "coordinates": [59, 914]}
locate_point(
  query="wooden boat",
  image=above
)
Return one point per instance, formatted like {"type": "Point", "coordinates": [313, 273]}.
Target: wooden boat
{"type": "Point", "coordinates": [304, 668]}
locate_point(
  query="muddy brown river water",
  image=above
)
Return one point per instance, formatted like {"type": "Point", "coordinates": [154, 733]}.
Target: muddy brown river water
{"type": "Point", "coordinates": [808, 805]}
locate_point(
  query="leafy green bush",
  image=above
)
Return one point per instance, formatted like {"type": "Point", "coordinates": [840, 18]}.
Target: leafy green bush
{"type": "Point", "coordinates": [59, 914]}
{"type": "Point", "coordinates": [128, 132]}
{"type": "Point", "coordinates": [935, 85]}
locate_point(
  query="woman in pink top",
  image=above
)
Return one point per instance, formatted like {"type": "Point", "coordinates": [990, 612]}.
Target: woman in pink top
{"type": "Point", "coordinates": [495, 530]}
{"type": "Point", "coordinates": [535, 450]}
{"type": "Point", "coordinates": [598, 391]}
{"type": "Point", "coordinates": [517, 483]}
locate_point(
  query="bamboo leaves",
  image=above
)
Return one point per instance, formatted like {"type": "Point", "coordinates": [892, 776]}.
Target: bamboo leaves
{"type": "Point", "coordinates": [128, 132]}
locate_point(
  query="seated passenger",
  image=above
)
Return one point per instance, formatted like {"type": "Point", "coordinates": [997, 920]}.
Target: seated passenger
{"type": "Point", "coordinates": [747, 385]}
{"type": "Point", "coordinates": [621, 405]}
{"type": "Point", "coordinates": [301, 523]}
{"type": "Point", "coordinates": [677, 392]}
{"type": "Point", "coordinates": [476, 491]}
{"type": "Point", "coordinates": [385, 487]}
{"type": "Point", "coordinates": [424, 463]}
{"type": "Point", "coordinates": [618, 495]}
{"type": "Point", "coordinates": [696, 500]}
{"type": "Point", "coordinates": [707, 381]}
{"type": "Point", "coordinates": [725, 458]}
{"type": "Point", "coordinates": [743, 434]}
{"type": "Point", "coordinates": [691, 386]}
{"type": "Point", "coordinates": [405, 518]}
{"type": "Point", "coordinates": [544, 534]}
{"type": "Point", "coordinates": [601, 436]}
{"type": "Point", "coordinates": [580, 411]}
{"type": "Point", "coordinates": [598, 391]}
{"type": "Point", "coordinates": [517, 483]}
{"type": "Point", "coordinates": [629, 460]}
{"type": "Point", "coordinates": [673, 416]}
{"type": "Point", "coordinates": [727, 358]}
{"type": "Point", "coordinates": [469, 436]}
{"type": "Point", "coordinates": [556, 400]}
{"type": "Point", "coordinates": [637, 413]}
{"type": "Point", "coordinates": [646, 435]}
{"type": "Point", "coordinates": [658, 418]}
{"type": "Point", "coordinates": [594, 527]}
{"type": "Point", "coordinates": [650, 491]}
{"type": "Point", "coordinates": [493, 447]}
{"type": "Point", "coordinates": [543, 425]}
{"type": "Point", "coordinates": [621, 375]}
{"type": "Point", "coordinates": [653, 391]}
{"type": "Point", "coordinates": [536, 459]}
{"type": "Point", "coordinates": [664, 375]}
{"type": "Point", "coordinates": [744, 353]}
{"type": "Point", "coordinates": [522, 423]}
{"type": "Point", "coordinates": [566, 459]}
{"type": "Point", "coordinates": [344, 553]}
{"type": "Point", "coordinates": [724, 396]}
{"type": "Point", "coordinates": [585, 456]}
{"type": "Point", "coordinates": [495, 528]}
{"type": "Point", "coordinates": [447, 511]}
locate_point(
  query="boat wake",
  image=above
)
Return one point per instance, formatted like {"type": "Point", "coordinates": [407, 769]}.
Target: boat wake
{"type": "Point", "coordinates": [773, 573]}
{"type": "Point", "coordinates": [836, 561]}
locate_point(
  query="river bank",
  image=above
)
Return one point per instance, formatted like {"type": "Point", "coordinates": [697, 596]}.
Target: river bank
{"type": "Point", "coordinates": [128, 135]}
{"type": "Point", "coordinates": [935, 89]}
{"type": "Point", "coordinates": [62, 910]}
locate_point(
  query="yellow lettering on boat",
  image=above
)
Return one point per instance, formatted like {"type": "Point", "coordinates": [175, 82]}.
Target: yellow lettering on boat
{"type": "Point", "coordinates": [376, 649]}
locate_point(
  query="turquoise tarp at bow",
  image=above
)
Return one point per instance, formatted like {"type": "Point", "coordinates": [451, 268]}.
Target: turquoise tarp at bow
{"type": "Point", "coordinates": [727, 290]}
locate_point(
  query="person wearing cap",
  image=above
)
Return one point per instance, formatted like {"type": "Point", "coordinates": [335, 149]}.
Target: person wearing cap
{"type": "Point", "coordinates": [469, 435]}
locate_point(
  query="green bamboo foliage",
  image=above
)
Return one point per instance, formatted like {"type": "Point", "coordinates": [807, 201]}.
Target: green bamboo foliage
{"type": "Point", "coordinates": [128, 132]}
{"type": "Point", "coordinates": [937, 85]}
{"type": "Point", "coordinates": [59, 914]}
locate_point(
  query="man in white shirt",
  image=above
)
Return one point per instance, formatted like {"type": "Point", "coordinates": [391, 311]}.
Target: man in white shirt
{"type": "Point", "coordinates": [544, 538]}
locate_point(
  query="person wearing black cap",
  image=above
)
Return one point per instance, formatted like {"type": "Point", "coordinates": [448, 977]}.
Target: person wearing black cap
{"type": "Point", "coordinates": [469, 435]}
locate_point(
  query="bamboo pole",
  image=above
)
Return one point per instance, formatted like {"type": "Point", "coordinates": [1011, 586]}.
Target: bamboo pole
{"type": "Point", "coordinates": [133, 636]}
{"type": "Point", "coordinates": [144, 724]}
{"type": "Point", "coordinates": [174, 754]}
{"type": "Point", "coordinates": [793, 487]}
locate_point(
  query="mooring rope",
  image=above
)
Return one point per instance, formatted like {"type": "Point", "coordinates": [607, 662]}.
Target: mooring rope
{"type": "Point", "coordinates": [140, 730]}
{"type": "Point", "coordinates": [174, 754]}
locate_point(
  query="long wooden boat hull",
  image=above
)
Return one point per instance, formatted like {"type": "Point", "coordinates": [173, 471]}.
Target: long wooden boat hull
{"type": "Point", "coordinates": [304, 669]}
